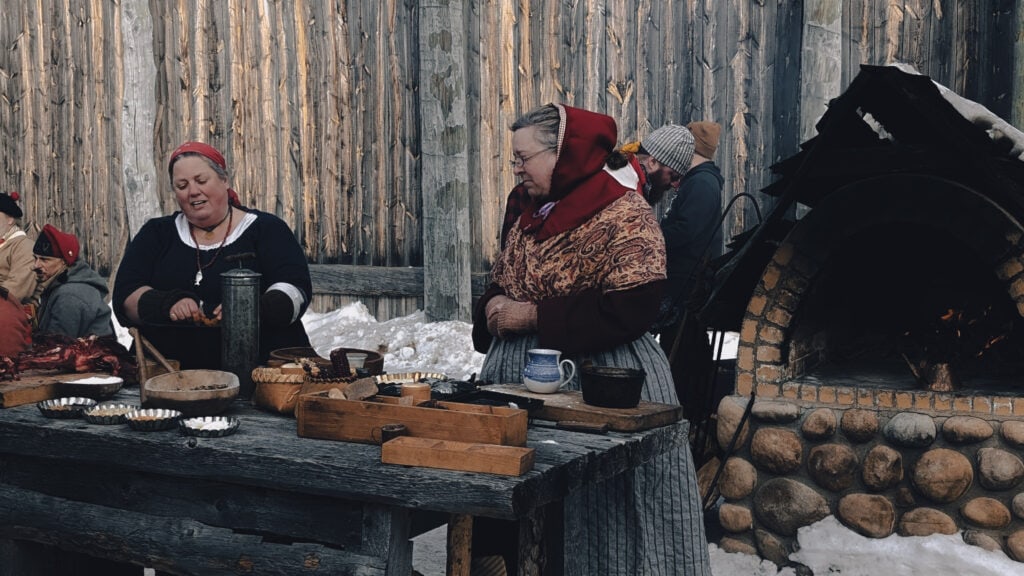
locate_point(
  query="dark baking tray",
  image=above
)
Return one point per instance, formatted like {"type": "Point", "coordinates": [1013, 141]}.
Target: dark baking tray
{"type": "Point", "coordinates": [491, 398]}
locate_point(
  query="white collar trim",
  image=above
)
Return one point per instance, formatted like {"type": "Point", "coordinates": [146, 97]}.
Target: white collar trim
{"type": "Point", "coordinates": [181, 223]}
{"type": "Point", "coordinates": [626, 176]}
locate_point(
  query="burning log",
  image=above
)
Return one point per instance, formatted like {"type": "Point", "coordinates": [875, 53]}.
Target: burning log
{"type": "Point", "coordinates": [937, 377]}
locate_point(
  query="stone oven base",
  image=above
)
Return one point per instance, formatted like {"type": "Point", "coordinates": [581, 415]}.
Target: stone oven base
{"type": "Point", "coordinates": [879, 470]}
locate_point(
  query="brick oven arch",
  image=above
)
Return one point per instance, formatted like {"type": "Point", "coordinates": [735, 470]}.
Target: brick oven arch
{"type": "Point", "coordinates": [767, 356]}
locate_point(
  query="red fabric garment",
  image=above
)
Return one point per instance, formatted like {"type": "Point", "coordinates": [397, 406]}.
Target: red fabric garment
{"type": "Point", "coordinates": [641, 188]}
{"type": "Point", "coordinates": [15, 329]}
{"type": "Point", "coordinates": [56, 244]}
{"type": "Point", "coordinates": [626, 312]}
{"type": "Point", "coordinates": [210, 152]}
{"type": "Point", "coordinates": [514, 207]}
{"type": "Point", "coordinates": [591, 320]}
{"type": "Point", "coordinates": [579, 183]}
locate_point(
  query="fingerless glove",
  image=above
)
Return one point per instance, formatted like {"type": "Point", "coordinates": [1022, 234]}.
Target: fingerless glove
{"type": "Point", "coordinates": [155, 305]}
{"type": "Point", "coordinates": [276, 309]}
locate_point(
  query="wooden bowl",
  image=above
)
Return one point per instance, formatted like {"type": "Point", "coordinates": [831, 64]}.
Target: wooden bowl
{"type": "Point", "coordinates": [293, 354]}
{"type": "Point", "coordinates": [373, 364]}
{"type": "Point", "coordinates": [153, 368]}
{"type": "Point", "coordinates": [192, 392]}
{"type": "Point", "coordinates": [611, 386]}
{"type": "Point", "coordinates": [96, 386]}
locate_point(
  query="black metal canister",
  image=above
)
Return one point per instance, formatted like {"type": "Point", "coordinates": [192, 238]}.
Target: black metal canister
{"type": "Point", "coordinates": [240, 325]}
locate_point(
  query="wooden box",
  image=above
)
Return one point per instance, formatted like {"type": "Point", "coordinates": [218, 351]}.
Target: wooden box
{"type": "Point", "coordinates": [319, 416]}
{"type": "Point", "coordinates": [453, 455]}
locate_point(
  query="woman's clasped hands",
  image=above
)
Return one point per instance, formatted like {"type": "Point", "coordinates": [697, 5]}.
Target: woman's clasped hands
{"type": "Point", "coordinates": [506, 317]}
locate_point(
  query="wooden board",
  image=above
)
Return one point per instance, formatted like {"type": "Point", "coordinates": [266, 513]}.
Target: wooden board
{"type": "Point", "coordinates": [35, 386]}
{"type": "Point", "coordinates": [569, 406]}
{"type": "Point", "coordinates": [454, 455]}
{"type": "Point", "coordinates": [320, 416]}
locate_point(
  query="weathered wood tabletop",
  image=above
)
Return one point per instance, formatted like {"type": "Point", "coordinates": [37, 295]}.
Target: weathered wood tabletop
{"type": "Point", "coordinates": [263, 499]}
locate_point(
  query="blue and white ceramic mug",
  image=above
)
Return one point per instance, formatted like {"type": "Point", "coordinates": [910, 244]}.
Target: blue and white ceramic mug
{"type": "Point", "coordinates": [545, 372]}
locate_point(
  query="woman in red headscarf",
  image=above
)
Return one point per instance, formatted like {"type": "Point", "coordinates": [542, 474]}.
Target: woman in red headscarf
{"type": "Point", "coordinates": [581, 270]}
{"type": "Point", "coordinates": [168, 283]}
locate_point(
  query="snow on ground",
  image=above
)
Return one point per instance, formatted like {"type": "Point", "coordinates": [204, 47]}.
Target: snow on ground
{"type": "Point", "coordinates": [411, 344]}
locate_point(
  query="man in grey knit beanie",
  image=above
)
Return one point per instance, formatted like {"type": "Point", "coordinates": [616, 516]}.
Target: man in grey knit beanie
{"type": "Point", "coordinates": [691, 227]}
{"type": "Point", "coordinates": [666, 155]}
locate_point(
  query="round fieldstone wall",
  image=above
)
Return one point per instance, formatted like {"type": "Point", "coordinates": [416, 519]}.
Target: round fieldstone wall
{"type": "Point", "coordinates": [880, 472]}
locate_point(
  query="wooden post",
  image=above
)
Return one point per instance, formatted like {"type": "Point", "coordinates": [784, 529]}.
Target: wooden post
{"type": "Point", "coordinates": [443, 126]}
{"type": "Point", "coordinates": [820, 63]}
{"type": "Point", "coordinates": [460, 545]}
{"type": "Point", "coordinates": [138, 116]}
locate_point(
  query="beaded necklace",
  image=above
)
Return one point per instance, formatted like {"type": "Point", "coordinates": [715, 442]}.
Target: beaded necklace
{"type": "Point", "coordinates": [199, 264]}
{"type": "Point", "coordinates": [210, 229]}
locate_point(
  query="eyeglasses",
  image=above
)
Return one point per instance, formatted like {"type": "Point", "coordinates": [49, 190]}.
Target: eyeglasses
{"type": "Point", "coordinates": [519, 162]}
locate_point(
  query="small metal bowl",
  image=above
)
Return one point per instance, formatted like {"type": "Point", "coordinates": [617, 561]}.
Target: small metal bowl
{"type": "Point", "coordinates": [151, 419]}
{"type": "Point", "coordinates": [67, 407]}
{"type": "Point", "coordinates": [110, 413]}
{"type": "Point", "coordinates": [208, 426]}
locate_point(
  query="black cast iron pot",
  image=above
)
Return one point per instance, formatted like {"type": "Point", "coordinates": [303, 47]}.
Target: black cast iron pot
{"type": "Point", "coordinates": [612, 387]}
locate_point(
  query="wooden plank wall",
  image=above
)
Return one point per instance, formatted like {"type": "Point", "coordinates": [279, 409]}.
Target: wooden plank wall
{"type": "Point", "coordinates": [317, 104]}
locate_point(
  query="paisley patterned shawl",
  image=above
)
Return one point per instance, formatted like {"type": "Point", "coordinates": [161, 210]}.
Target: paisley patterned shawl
{"type": "Point", "coordinates": [619, 248]}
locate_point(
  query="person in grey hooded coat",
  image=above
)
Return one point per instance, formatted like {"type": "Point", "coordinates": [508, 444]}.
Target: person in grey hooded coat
{"type": "Point", "coordinates": [70, 294]}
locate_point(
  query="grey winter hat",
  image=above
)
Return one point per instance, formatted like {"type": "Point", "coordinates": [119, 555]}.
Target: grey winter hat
{"type": "Point", "coordinates": [672, 145]}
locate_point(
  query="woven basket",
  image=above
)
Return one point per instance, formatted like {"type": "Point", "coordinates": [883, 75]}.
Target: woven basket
{"type": "Point", "coordinates": [275, 391]}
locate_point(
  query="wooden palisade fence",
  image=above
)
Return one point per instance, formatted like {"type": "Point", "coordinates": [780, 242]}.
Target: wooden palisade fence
{"type": "Point", "coordinates": [379, 130]}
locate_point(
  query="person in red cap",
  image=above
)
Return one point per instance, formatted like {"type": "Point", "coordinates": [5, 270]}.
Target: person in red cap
{"type": "Point", "coordinates": [168, 283]}
{"type": "Point", "coordinates": [16, 275]}
{"type": "Point", "coordinates": [70, 294]}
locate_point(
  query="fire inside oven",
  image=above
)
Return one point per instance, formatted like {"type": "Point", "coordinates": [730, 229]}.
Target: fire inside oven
{"type": "Point", "coordinates": [906, 304]}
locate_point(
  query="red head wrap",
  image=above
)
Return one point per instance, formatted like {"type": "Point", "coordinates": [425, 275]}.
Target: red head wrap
{"type": "Point", "coordinates": [209, 152]}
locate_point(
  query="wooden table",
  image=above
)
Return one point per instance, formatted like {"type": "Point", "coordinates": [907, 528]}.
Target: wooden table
{"type": "Point", "coordinates": [268, 502]}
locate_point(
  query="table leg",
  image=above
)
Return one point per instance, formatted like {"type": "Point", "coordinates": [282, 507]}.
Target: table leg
{"type": "Point", "coordinates": [531, 543]}
{"type": "Point", "coordinates": [541, 541]}
{"type": "Point", "coordinates": [460, 545]}
{"type": "Point", "coordinates": [387, 533]}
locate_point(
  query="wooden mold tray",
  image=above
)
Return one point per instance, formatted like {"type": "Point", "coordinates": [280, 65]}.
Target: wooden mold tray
{"type": "Point", "coordinates": [319, 416]}
{"type": "Point", "coordinates": [454, 455]}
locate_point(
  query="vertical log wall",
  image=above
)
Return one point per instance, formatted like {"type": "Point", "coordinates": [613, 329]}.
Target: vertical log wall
{"type": "Point", "coordinates": [320, 109]}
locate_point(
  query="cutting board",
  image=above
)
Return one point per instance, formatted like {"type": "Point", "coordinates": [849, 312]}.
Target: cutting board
{"type": "Point", "coordinates": [568, 406]}
{"type": "Point", "coordinates": [35, 386]}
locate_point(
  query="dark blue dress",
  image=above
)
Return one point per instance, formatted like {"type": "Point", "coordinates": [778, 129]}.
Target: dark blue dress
{"type": "Point", "coordinates": [163, 256]}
